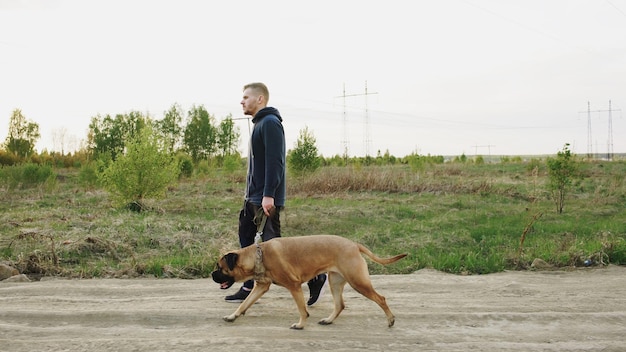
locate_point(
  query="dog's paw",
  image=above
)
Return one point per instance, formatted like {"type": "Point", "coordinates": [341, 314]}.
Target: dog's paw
{"type": "Point", "coordinates": [230, 318]}
{"type": "Point", "coordinates": [297, 326]}
{"type": "Point", "coordinates": [325, 322]}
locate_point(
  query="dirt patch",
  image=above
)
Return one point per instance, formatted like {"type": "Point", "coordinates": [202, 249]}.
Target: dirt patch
{"type": "Point", "coordinates": [578, 310]}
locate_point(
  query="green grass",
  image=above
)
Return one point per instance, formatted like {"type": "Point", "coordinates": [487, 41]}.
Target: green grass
{"type": "Point", "coordinates": [458, 218]}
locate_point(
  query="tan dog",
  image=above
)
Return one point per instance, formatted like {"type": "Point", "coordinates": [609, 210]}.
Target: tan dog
{"type": "Point", "coordinates": [292, 261]}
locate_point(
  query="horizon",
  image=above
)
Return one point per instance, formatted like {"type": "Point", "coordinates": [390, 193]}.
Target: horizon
{"type": "Point", "coordinates": [72, 144]}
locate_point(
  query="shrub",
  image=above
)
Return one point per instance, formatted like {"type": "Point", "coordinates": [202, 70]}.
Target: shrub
{"type": "Point", "coordinates": [232, 163]}
{"type": "Point", "coordinates": [7, 158]}
{"type": "Point", "coordinates": [460, 159]}
{"type": "Point", "coordinates": [185, 165]}
{"type": "Point", "coordinates": [33, 174]}
{"type": "Point", "coordinates": [561, 171]}
{"type": "Point", "coordinates": [27, 175]}
{"type": "Point", "coordinates": [88, 175]}
{"type": "Point", "coordinates": [204, 169]}
{"type": "Point", "coordinates": [534, 164]}
{"type": "Point", "coordinates": [144, 171]}
{"type": "Point", "coordinates": [304, 157]}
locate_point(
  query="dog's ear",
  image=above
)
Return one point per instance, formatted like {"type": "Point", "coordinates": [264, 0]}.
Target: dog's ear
{"type": "Point", "coordinates": [231, 260]}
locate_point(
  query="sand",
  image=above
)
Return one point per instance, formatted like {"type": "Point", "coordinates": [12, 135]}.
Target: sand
{"type": "Point", "coordinates": [567, 310]}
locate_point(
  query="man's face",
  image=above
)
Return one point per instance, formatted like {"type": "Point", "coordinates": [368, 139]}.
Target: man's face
{"type": "Point", "coordinates": [251, 102]}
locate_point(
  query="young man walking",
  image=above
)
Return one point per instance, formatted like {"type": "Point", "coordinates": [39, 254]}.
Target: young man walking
{"type": "Point", "coordinates": [266, 180]}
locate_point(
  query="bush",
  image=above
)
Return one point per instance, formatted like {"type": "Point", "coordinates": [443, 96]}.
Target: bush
{"type": "Point", "coordinates": [533, 164]}
{"type": "Point", "coordinates": [88, 175]}
{"type": "Point", "coordinates": [7, 158]}
{"type": "Point", "coordinates": [232, 163]}
{"type": "Point", "coordinates": [304, 157]}
{"type": "Point", "coordinates": [204, 169]}
{"type": "Point", "coordinates": [144, 171]}
{"type": "Point", "coordinates": [27, 175]}
{"type": "Point", "coordinates": [185, 165]}
{"type": "Point", "coordinates": [33, 174]}
{"type": "Point", "coordinates": [561, 171]}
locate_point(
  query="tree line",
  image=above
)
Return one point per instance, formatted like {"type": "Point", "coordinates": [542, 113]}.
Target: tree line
{"type": "Point", "coordinates": [196, 133]}
{"type": "Point", "coordinates": [156, 152]}
{"type": "Point", "coordinates": [200, 136]}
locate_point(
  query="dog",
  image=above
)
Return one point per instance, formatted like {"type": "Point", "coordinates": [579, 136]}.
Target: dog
{"type": "Point", "coordinates": [292, 261]}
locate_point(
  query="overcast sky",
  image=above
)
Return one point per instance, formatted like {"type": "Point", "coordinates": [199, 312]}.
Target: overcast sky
{"type": "Point", "coordinates": [444, 77]}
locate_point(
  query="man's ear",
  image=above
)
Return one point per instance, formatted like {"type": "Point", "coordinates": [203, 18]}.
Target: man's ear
{"type": "Point", "coordinates": [231, 260]}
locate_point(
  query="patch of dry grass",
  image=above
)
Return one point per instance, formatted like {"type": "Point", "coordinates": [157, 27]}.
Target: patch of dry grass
{"type": "Point", "coordinates": [456, 218]}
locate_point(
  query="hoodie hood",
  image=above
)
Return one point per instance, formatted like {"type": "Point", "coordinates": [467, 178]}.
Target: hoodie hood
{"type": "Point", "coordinates": [266, 111]}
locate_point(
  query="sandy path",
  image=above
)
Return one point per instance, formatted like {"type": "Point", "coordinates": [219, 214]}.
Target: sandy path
{"type": "Point", "coordinates": [580, 310]}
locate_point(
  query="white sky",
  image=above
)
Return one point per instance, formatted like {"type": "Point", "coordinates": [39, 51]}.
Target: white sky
{"type": "Point", "coordinates": [450, 76]}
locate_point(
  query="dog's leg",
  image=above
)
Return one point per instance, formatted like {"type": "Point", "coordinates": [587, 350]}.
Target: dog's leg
{"type": "Point", "coordinates": [359, 279]}
{"type": "Point", "coordinates": [336, 283]}
{"type": "Point", "coordinates": [256, 293]}
{"type": "Point", "coordinates": [298, 296]}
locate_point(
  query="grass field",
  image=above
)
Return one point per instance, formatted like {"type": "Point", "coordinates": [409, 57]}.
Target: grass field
{"type": "Point", "coordinates": [460, 218]}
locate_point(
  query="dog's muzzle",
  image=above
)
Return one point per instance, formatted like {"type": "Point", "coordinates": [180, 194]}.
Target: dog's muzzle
{"type": "Point", "coordinates": [225, 281]}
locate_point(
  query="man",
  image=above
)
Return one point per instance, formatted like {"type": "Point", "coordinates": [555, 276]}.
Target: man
{"type": "Point", "coordinates": [266, 180]}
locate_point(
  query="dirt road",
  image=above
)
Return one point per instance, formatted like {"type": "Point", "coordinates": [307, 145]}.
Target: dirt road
{"type": "Point", "coordinates": [579, 310]}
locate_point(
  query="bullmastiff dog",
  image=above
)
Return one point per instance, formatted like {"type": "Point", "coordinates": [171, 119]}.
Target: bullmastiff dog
{"type": "Point", "coordinates": [292, 261]}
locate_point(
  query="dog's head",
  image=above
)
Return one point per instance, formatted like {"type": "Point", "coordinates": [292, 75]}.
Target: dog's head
{"type": "Point", "coordinates": [224, 273]}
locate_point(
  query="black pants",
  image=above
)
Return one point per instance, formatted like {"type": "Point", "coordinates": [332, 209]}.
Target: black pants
{"type": "Point", "coordinates": [248, 228]}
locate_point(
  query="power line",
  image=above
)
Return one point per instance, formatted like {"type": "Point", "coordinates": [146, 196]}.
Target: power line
{"type": "Point", "coordinates": [617, 8]}
{"type": "Point", "coordinates": [528, 27]}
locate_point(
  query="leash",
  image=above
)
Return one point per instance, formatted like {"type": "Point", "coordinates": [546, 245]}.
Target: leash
{"type": "Point", "coordinates": [260, 226]}
{"type": "Point", "coordinates": [259, 269]}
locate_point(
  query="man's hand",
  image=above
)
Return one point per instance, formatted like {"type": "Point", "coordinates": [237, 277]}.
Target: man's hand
{"type": "Point", "coordinates": [268, 205]}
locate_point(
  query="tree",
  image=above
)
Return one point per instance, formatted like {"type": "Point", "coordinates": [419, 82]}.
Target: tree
{"type": "Point", "coordinates": [460, 159]}
{"type": "Point", "coordinates": [59, 139]}
{"type": "Point", "coordinates": [23, 135]}
{"type": "Point", "coordinates": [143, 171]}
{"type": "Point", "coordinates": [200, 134]}
{"type": "Point", "coordinates": [107, 135]}
{"type": "Point", "coordinates": [561, 171]}
{"type": "Point", "coordinates": [104, 137]}
{"type": "Point", "coordinates": [227, 136]}
{"type": "Point", "coordinates": [170, 127]}
{"type": "Point", "coordinates": [304, 157]}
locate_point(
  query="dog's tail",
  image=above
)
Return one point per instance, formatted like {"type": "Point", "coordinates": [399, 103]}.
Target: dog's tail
{"type": "Point", "coordinates": [377, 259]}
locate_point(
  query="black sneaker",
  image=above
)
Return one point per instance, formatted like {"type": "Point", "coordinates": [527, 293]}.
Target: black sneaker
{"type": "Point", "coordinates": [238, 297]}
{"type": "Point", "coordinates": [316, 288]}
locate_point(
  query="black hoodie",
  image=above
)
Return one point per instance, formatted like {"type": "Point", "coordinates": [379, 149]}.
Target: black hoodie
{"type": "Point", "coordinates": [266, 159]}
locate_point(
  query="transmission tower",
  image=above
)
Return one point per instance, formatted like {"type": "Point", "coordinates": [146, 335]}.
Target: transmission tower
{"type": "Point", "coordinates": [609, 153]}
{"type": "Point", "coordinates": [483, 146]}
{"type": "Point", "coordinates": [345, 142]}
{"type": "Point", "coordinates": [367, 139]}
{"type": "Point", "coordinates": [589, 144]}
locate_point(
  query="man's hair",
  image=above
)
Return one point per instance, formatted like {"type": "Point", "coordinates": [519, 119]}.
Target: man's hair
{"type": "Point", "coordinates": [259, 88]}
